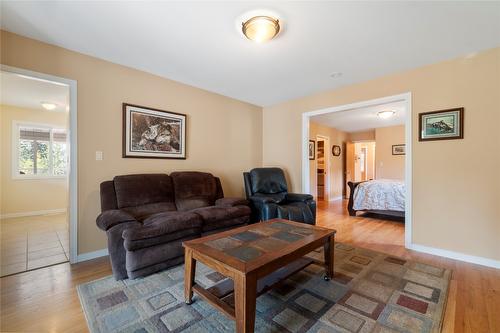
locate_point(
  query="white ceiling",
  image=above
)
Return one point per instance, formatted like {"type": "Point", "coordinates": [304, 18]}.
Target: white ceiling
{"type": "Point", "coordinates": [26, 92]}
{"type": "Point", "coordinates": [200, 43]}
{"type": "Point", "coordinates": [363, 119]}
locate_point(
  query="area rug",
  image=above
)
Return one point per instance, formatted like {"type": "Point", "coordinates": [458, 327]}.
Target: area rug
{"type": "Point", "coordinates": [371, 292]}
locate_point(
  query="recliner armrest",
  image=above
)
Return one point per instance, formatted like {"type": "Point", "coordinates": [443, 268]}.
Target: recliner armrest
{"type": "Point", "coordinates": [297, 197]}
{"type": "Point", "coordinates": [112, 217]}
{"type": "Point", "coordinates": [231, 202]}
{"type": "Point", "coordinates": [263, 199]}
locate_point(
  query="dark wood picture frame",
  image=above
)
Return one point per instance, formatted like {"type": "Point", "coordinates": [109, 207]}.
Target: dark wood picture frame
{"type": "Point", "coordinates": [312, 152]}
{"type": "Point", "coordinates": [400, 145]}
{"type": "Point", "coordinates": [126, 153]}
{"type": "Point", "coordinates": [336, 150]}
{"type": "Point", "coordinates": [460, 134]}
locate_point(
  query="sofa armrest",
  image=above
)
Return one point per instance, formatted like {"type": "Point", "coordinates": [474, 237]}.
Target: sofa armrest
{"type": "Point", "coordinates": [112, 217]}
{"type": "Point", "coordinates": [296, 197]}
{"type": "Point", "coordinates": [231, 202]}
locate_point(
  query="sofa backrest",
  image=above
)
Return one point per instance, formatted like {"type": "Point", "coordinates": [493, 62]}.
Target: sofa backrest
{"type": "Point", "coordinates": [268, 181]}
{"type": "Point", "coordinates": [108, 196]}
{"type": "Point", "coordinates": [195, 189]}
{"type": "Point", "coordinates": [142, 189]}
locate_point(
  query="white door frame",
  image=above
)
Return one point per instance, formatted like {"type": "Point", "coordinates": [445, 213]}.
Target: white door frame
{"type": "Point", "coordinates": [406, 98]}
{"type": "Point", "coordinates": [73, 154]}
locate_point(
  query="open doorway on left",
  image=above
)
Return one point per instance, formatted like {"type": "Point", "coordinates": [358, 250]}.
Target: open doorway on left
{"type": "Point", "coordinates": [34, 151]}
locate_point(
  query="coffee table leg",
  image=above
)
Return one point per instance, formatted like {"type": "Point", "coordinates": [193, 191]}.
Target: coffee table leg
{"type": "Point", "coordinates": [245, 289]}
{"type": "Point", "coordinates": [329, 254]}
{"type": "Point", "coordinates": [189, 274]}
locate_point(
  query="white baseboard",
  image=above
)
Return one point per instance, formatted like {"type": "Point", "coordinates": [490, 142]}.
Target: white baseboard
{"type": "Point", "coordinates": [92, 255]}
{"type": "Point", "coordinates": [456, 255]}
{"type": "Point", "coordinates": [340, 197]}
{"type": "Point", "coordinates": [34, 213]}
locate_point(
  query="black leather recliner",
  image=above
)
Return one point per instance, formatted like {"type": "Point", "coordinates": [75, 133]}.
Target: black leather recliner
{"type": "Point", "coordinates": [267, 191]}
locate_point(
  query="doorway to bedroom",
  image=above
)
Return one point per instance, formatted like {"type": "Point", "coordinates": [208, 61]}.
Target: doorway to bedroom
{"type": "Point", "coordinates": [370, 157]}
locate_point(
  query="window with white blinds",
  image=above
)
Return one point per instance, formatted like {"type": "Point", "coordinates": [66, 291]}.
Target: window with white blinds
{"type": "Point", "coordinates": [39, 151]}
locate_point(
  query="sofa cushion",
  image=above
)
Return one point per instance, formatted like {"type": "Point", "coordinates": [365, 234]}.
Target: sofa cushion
{"type": "Point", "coordinates": [163, 224]}
{"type": "Point", "coordinates": [218, 226]}
{"type": "Point", "coordinates": [225, 225]}
{"type": "Point", "coordinates": [142, 212]}
{"type": "Point", "coordinates": [142, 189]}
{"type": "Point", "coordinates": [216, 217]}
{"type": "Point", "coordinates": [131, 244]}
{"type": "Point", "coordinates": [231, 202]}
{"type": "Point", "coordinates": [194, 189]}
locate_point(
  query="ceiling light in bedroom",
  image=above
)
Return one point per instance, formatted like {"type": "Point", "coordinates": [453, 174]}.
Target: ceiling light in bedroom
{"type": "Point", "coordinates": [261, 28]}
{"type": "Point", "coordinates": [386, 114]}
{"type": "Point", "coordinates": [48, 106]}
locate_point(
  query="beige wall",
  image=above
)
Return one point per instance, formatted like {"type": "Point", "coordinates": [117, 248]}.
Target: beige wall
{"type": "Point", "coordinates": [335, 163]}
{"type": "Point", "coordinates": [389, 166]}
{"type": "Point", "coordinates": [224, 136]}
{"type": "Point", "coordinates": [28, 195]}
{"type": "Point", "coordinates": [362, 136]}
{"type": "Point", "coordinates": [456, 183]}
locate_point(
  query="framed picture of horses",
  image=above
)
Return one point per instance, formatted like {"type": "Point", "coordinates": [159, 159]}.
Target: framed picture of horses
{"type": "Point", "coordinates": [153, 133]}
{"type": "Point", "coordinates": [441, 125]}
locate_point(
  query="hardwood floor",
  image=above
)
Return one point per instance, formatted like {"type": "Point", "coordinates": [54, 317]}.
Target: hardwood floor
{"type": "Point", "coordinates": [45, 300]}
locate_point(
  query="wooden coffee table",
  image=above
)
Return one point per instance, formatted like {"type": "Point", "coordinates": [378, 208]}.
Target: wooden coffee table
{"type": "Point", "coordinates": [256, 258]}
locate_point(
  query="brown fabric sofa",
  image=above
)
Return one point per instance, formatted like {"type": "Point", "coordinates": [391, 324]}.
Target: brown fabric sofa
{"type": "Point", "coordinates": [147, 217]}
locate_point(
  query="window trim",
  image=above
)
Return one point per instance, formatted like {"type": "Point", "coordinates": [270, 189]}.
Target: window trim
{"type": "Point", "coordinates": [15, 150]}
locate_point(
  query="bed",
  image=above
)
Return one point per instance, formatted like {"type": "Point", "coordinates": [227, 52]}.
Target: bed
{"type": "Point", "coordinates": [380, 196]}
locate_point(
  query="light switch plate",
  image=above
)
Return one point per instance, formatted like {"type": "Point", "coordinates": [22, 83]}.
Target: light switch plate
{"type": "Point", "coordinates": [98, 156]}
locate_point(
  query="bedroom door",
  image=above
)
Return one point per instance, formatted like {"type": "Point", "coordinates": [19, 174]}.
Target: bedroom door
{"type": "Point", "coordinates": [349, 166]}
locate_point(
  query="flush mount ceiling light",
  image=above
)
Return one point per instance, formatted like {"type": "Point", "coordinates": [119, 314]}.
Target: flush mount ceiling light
{"type": "Point", "coordinates": [386, 114]}
{"type": "Point", "coordinates": [261, 28]}
{"type": "Point", "coordinates": [48, 106]}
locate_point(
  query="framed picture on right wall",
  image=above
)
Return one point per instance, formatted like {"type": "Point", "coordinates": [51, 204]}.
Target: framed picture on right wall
{"type": "Point", "coordinates": [441, 125]}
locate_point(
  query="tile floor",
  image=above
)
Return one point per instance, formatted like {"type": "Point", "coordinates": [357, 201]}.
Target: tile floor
{"type": "Point", "coordinates": [33, 242]}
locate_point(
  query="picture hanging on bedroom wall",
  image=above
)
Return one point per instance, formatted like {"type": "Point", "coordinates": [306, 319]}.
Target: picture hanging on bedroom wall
{"type": "Point", "coordinates": [312, 149]}
{"type": "Point", "coordinates": [153, 133]}
{"type": "Point", "coordinates": [441, 125]}
{"type": "Point", "coordinates": [336, 150]}
{"type": "Point", "coordinates": [399, 149]}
